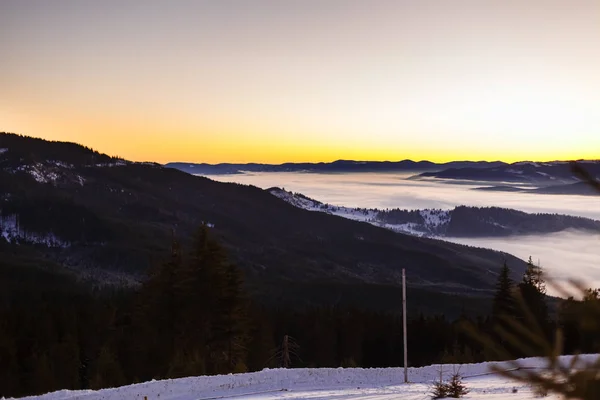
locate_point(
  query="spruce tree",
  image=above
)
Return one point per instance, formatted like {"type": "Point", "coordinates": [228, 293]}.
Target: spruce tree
{"type": "Point", "coordinates": [533, 291]}
{"type": "Point", "coordinates": [230, 330]}
{"type": "Point", "coordinates": [201, 283]}
{"type": "Point", "coordinates": [158, 317]}
{"type": "Point", "coordinates": [213, 303]}
{"type": "Point", "coordinates": [9, 378]}
{"type": "Point", "coordinates": [107, 371]}
{"type": "Point", "coordinates": [43, 379]}
{"type": "Point", "coordinates": [503, 303]}
{"type": "Point", "coordinates": [65, 359]}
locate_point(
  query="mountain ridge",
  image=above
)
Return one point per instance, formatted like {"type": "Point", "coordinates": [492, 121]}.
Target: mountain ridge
{"type": "Point", "coordinates": [118, 217]}
{"type": "Point", "coordinates": [323, 167]}
{"type": "Point", "coordinates": [461, 221]}
{"type": "Point", "coordinates": [530, 173]}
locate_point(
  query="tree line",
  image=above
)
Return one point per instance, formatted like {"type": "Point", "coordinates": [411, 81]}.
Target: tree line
{"type": "Point", "coordinates": [193, 316]}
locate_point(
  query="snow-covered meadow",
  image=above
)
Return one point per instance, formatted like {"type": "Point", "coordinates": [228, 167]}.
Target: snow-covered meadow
{"type": "Point", "coordinates": [320, 383]}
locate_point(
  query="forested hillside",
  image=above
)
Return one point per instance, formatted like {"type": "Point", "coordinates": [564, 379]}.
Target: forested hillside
{"type": "Point", "coordinates": [461, 221]}
{"type": "Point", "coordinates": [108, 220]}
{"type": "Point", "coordinates": [194, 316]}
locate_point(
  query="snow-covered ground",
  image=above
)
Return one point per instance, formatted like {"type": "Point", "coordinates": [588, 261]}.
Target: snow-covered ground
{"type": "Point", "coordinates": [12, 233]}
{"type": "Point", "coordinates": [434, 221]}
{"type": "Point", "coordinates": [319, 383]}
{"type": "Point", "coordinates": [306, 203]}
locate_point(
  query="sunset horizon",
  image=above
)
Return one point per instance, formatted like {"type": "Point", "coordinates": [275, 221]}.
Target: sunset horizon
{"type": "Point", "coordinates": [294, 199]}
{"type": "Point", "coordinates": [297, 82]}
{"type": "Point", "coordinates": [200, 160]}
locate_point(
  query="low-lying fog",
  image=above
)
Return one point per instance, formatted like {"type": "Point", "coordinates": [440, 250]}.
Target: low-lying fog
{"type": "Point", "coordinates": [392, 190]}
{"type": "Point", "coordinates": [565, 254]}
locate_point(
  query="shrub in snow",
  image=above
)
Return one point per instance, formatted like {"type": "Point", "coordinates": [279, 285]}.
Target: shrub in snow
{"type": "Point", "coordinates": [454, 389]}
{"type": "Point", "coordinates": [439, 390]}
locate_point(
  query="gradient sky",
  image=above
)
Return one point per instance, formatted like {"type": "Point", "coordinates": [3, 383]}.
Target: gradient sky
{"type": "Point", "coordinates": [306, 80]}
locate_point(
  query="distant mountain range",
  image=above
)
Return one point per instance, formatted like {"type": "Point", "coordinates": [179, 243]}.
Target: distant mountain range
{"type": "Point", "coordinates": [67, 208]}
{"type": "Point", "coordinates": [544, 178]}
{"type": "Point", "coordinates": [579, 188]}
{"type": "Point", "coordinates": [458, 222]}
{"type": "Point", "coordinates": [336, 166]}
{"type": "Point", "coordinates": [529, 177]}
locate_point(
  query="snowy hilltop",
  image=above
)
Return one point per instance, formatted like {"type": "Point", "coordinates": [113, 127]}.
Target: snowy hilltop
{"type": "Point", "coordinates": [460, 221]}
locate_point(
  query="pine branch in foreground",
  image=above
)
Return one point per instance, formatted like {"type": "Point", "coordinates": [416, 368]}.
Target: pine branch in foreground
{"type": "Point", "coordinates": [577, 379]}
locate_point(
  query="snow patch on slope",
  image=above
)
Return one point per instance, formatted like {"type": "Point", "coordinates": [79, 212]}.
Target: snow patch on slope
{"type": "Point", "coordinates": [39, 172]}
{"type": "Point", "coordinates": [50, 171]}
{"type": "Point", "coordinates": [434, 219]}
{"type": "Point", "coordinates": [515, 171]}
{"type": "Point", "coordinates": [409, 228]}
{"type": "Point", "coordinates": [306, 203]}
{"type": "Point", "coordinates": [119, 163]}
{"type": "Point", "coordinates": [61, 164]}
{"type": "Point", "coordinates": [11, 231]}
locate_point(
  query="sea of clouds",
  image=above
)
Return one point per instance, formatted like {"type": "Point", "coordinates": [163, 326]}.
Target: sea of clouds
{"type": "Point", "coordinates": [568, 254]}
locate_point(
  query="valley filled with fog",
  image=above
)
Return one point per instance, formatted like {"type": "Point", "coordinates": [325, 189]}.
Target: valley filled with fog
{"type": "Point", "coordinates": [564, 254]}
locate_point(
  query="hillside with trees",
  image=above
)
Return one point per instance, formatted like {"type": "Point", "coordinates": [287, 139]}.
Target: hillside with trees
{"type": "Point", "coordinates": [194, 316]}
{"type": "Point", "coordinates": [107, 220]}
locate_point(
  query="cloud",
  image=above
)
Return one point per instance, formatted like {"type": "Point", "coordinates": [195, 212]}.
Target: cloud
{"type": "Point", "coordinates": [393, 190]}
{"type": "Point", "coordinates": [564, 255]}
{"type": "Point", "coordinates": [569, 254]}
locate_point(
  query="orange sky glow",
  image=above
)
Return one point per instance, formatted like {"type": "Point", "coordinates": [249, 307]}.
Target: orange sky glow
{"type": "Point", "coordinates": [277, 81]}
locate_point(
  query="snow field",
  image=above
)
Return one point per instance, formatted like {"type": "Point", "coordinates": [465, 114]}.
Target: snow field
{"type": "Point", "coordinates": [433, 219]}
{"type": "Point", "coordinates": [317, 383]}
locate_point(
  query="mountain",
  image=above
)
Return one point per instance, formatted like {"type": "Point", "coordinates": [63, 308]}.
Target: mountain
{"type": "Point", "coordinates": [459, 222]}
{"type": "Point", "coordinates": [530, 173]}
{"type": "Point", "coordinates": [65, 207]}
{"type": "Point", "coordinates": [336, 166]}
{"type": "Point", "coordinates": [579, 188]}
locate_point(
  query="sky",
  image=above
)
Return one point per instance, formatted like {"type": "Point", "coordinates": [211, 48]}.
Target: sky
{"type": "Point", "coordinates": [302, 80]}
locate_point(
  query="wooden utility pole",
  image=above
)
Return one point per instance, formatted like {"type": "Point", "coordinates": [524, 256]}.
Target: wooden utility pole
{"type": "Point", "coordinates": [404, 325]}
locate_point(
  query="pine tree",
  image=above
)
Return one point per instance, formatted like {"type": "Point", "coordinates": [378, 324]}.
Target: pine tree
{"type": "Point", "coordinates": [262, 344]}
{"type": "Point", "coordinates": [533, 292]}
{"type": "Point", "coordinates": [107, 371]}
{"type": "Point", "coordinates": [214, 324]}
{"type": "Point", "coordinates": [159, 317]}
{"type": "Point", "coordinates": [231, 326]}
{"type": "Point", "coordinates": [503, 303]}
{"type": "Point", "coordinates": [65, 357]}
{"type": "Point", "coordinates": [42, 380]}
{"type": "Point", "coordinates": [9, 382]}
{"type": "Point", "coordinates": [580, 378]}
{"type": "Point", "coordinates": [201, 283]}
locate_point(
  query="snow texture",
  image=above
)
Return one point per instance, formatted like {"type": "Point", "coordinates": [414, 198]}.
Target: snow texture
{"type": "Point", "coordinates": [320, 383]}
{"type": "Point", "coordinates": [301, 201]}
{"type": "Point", "coordinates": [119, 163]}
{"type": "Point", "coordinates": [61, 164]}
{"type": "Point", "coordinates": [434, 221]}
{"type": "Point", "coordinates": [11, 231]}
{"type": "Point", "coordinates": [39, 172]}
{"type": "Point", "coordinates": [435, 218]}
